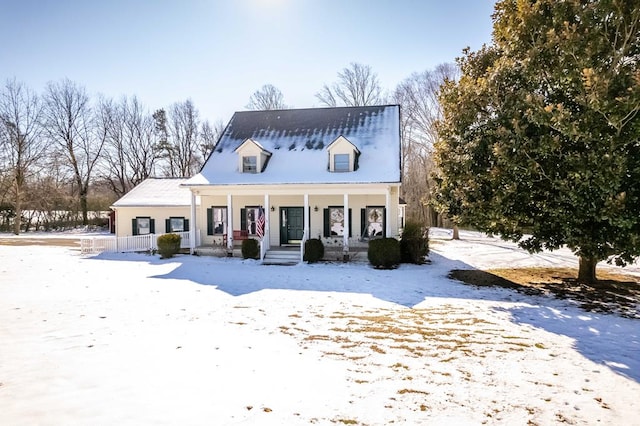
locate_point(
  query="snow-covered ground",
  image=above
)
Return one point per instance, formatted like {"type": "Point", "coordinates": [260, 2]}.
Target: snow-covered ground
{"type": "Point", "coordinates": [132, 339]}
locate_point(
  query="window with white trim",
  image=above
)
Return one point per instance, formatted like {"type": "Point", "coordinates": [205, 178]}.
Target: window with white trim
{"type": "Point", "coordinates": [143, 225]}
{"type": "Point", "coordinates": [336, 221]}
{"type": "Point", "coordinates": [374, 222]}
{"type": "Point", "coordinates": [341, 163]}
{"type": "Point", "coordinates": [176, 224]}
{"type": "Point", "coordinates": [219, 220]}
{"type": "Point", "coordinates": [250, 164]}
{"type": "Point", "coordinates": [249, 219]}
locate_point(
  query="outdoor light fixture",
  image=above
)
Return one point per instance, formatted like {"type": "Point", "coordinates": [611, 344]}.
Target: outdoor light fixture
{"type": "Point", "coordinates": [315, 209]}
{"type": "Point", "coordinates": [273, 209]}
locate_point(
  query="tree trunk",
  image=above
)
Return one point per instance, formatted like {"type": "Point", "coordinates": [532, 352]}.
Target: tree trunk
{"type": "Point", "coordinates": [83, 206]}
{"type": "Point", "coordinates": [18, 210]}
{"type": "Point", "coordinates": [456, 233]}
{"type": "Point", "coordinates": [587, 269]}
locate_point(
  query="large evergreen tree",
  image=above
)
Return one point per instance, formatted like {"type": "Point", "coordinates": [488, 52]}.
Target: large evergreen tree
{"type": "Point", "coordinates": [540, 135]}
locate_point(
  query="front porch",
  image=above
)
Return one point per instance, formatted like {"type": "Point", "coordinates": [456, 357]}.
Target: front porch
{"type": "Point", "coordinates": [287, 254]}
{"type": "Point", "coordinates": [343, 217]}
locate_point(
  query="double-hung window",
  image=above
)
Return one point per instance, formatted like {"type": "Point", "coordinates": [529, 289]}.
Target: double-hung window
{"type": "Point", "coordinates": [219, 220]}
{"type": "Point", "coordinates": [341, 163]}
{"type": "Point", "coordinates": [216, 220]}
{"type": "Point", "coordinates": [374, 222]}
{"type": "Point", "coordinates": [249, 219]}
{"type": "Point", "coordinates": [176, 224]}
{"type": "Point", "coordinates": [142, 225]}
{"type": "Point", "coordinates": [336, 221]}
{"type": "Point", "coordinates": [250, 164]}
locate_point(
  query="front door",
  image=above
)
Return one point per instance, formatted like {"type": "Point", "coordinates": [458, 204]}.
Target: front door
{"type": "Point", "coordinates": [291, 225]}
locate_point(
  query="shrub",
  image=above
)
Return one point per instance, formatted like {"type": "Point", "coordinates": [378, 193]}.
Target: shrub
{"type": "Point", "coordinates": [313, 250]}
{"type": "Point", "coordinates": [250, 249]}
{"type": "Point", "coordinates": [384, 253]}
{"type": "Point", "coordinates": [168, 245]}
{"type": "Point", "coordinates": [414, 244]}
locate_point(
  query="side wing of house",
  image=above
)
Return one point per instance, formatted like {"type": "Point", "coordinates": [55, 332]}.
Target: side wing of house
{"type": "Point", "coordinates": [155, 206]}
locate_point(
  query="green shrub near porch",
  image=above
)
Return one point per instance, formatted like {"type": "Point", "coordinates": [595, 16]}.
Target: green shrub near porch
{"type": "Point", "coordinates": [384, 253]}
{"type": "Point", "coordinates": [313, 250]}
{"type": "Point", "coordinates": [250, 249]}
{"type": "Point", "coordinates": [168, 245]}
{"type": "Point", "coordinates": [414, 243]}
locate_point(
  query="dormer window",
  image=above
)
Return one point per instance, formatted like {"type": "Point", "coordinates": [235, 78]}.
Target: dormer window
{"type": "Point", "coordinates": [341, 163]}
{"type": "Point", "coordinates": [343, 155]}
{"type": "Point", "coordinates": [249, 164]}
{"type": "Point", "coordinates": [252, 157]}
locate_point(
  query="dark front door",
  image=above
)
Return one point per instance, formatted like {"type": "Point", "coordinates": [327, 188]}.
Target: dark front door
{"type": "Point", "coordinates": [291, 225]}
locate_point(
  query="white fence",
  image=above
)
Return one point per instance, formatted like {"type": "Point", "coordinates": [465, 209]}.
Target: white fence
{"type": "Point", "coordinates": [149, 242]}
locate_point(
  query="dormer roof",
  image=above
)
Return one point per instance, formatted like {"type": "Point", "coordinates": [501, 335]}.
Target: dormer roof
{"type": "Point", "coordinates": [250, 141]}
{"type": "Point", "coordinates": [342, 139]}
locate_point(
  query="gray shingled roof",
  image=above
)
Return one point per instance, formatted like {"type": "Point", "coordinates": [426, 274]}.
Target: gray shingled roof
{"type": "Point", "coordinates": [298, 139]}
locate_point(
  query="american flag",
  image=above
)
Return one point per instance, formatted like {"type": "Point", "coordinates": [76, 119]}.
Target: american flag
{"type": "Point", "coordinates": [260, 223]}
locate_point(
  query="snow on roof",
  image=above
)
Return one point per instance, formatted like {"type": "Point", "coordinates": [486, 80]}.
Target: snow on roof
{"type": "Point", "coordinates": [157, 192]}
{"type": "Point", "coordinates": [298, 140]}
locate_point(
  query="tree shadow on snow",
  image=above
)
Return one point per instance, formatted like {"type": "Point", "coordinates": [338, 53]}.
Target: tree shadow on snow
{"type": "Point", "coordinates": [605, 339]}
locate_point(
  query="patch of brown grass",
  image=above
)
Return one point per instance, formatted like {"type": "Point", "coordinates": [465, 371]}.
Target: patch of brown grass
{"type": "Point", "coordinates": [378, 349]}
{"type": "Point", "coordinates": [345, 421]}
{"type": "Point", "coordinates": [613, 293]}
{"type": "Point", "coordinates": [31, 241]}
{"type": "Point", "coordinates": [405, 391]}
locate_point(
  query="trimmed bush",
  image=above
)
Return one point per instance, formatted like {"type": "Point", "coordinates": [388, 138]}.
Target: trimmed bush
{"type": "Point", "coordinates": [250, 249]}
{"type": "Point", "coordinates": [384, 253]}
{"type": "Point", "coordinates": [168, 245]}
{"type": "Point", "coordinates": [313, 250]}
{"type": "Point", "coordinates": [414, 244]}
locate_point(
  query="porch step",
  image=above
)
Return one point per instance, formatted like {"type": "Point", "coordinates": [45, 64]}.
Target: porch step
{"type": "Point", "coordinates": [281, 257]}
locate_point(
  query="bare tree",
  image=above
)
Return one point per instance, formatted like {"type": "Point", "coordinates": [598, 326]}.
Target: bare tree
{"type": "Point", "coordinates": [51, 195]}
{"type": "Point", "coordinates": [130, 152]}
{"type": "Point", "coordinates": [418, 98]}
{"type": "Point", "coordinates": [69, 123]}
{"type": "Point", "coordinates": [357, 85]}
{"type": "Point", "coordinates": [20, 140]}
{"type": "Point", "coordinates": [179, 138]}
{"type": "Point", "coordinates": [209, 135]}
{"type": "Point", "coordinates": [267, 98]}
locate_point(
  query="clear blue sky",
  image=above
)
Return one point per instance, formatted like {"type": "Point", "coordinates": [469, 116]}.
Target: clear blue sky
{"type": "Point", "coordinates": [218, 52]}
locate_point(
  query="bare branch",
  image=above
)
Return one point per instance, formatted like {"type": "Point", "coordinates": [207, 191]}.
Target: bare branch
{"type": "Point", "coordinates": [268, 97]}
{"type": "Point", "coordinates": [357, 85]}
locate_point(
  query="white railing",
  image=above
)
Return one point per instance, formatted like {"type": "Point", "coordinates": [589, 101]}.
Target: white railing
{"type": "Point", "coordinates": [148, 242]}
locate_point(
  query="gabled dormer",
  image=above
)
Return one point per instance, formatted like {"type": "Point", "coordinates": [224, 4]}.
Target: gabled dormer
{"type": "Point", "coordinates": [252, 157]}
{"type": "Point", "coordinates": [343, 155]}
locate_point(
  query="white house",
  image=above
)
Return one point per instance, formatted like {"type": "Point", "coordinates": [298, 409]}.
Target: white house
{"type": "Point", "coordinates": [329, 173]}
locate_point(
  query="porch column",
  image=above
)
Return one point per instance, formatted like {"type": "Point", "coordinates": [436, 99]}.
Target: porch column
{"type": "Point", "coordinates": [305, 232]}
{"type": "Point", "coordinates": [387, 214]}
{"type": "Point", "coordinates": [266, 240]}
{"type": "Point", "coordinates": [193, 224]}
{"type": "Point", "coordinates": [345, 232]}
{"type": "Point", "coordinates": [229, 222]}
{"type": "Point", "coordinates": [306, 217]}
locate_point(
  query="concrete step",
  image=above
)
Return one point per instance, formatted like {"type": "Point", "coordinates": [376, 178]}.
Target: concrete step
{"type": "Point", "coordinates": [281, 257]}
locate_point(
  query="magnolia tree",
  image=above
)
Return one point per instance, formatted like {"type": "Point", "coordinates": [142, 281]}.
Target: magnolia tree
{"type": "Point", "coordinates": [539, 137]}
